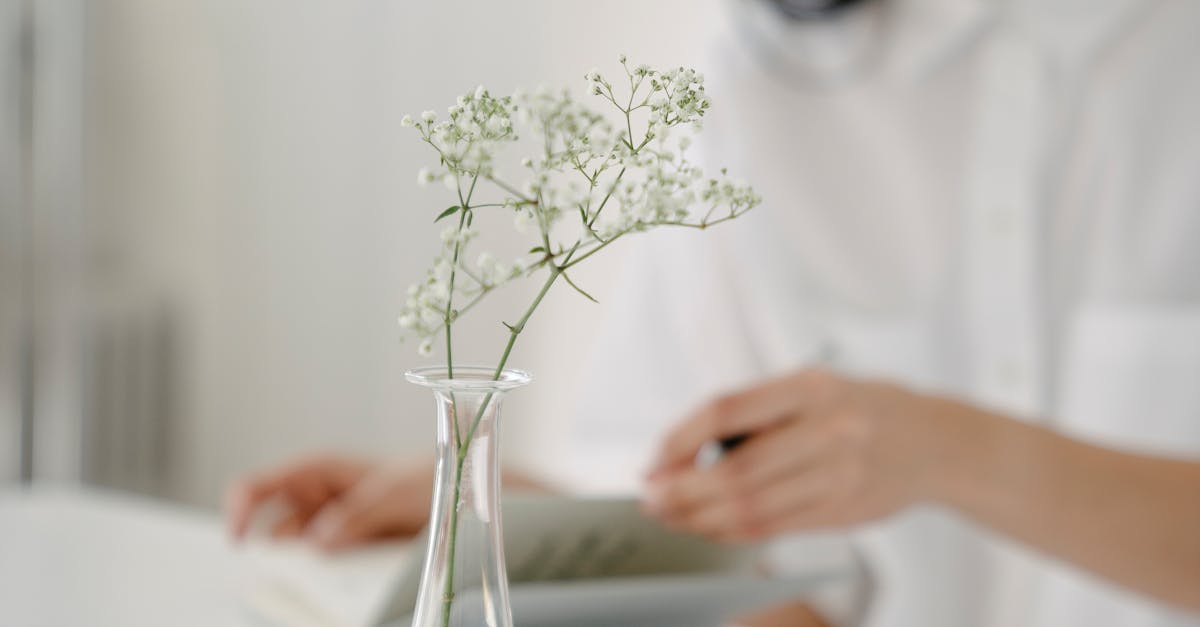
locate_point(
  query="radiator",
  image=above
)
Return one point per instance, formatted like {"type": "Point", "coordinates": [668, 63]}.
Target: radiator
{"type": "Point", "coordinates": [129, 376]}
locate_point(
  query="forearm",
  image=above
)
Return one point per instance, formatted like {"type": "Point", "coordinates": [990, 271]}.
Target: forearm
{"type": "Point", "coordinates": [1133, 519]}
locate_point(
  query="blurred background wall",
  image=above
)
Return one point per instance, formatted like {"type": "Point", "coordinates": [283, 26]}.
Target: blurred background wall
{"type": "Point", "coordinates": [247, 221]}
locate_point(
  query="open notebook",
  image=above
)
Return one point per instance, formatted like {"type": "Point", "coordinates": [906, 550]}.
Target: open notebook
{"type": "Point", "coordinates": [547, 539]}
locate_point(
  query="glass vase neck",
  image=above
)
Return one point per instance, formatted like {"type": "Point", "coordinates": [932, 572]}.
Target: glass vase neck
{"type": "Point", "coordinates": [468, 378]}
{"type": "Point", "coordinates": [464, 583]}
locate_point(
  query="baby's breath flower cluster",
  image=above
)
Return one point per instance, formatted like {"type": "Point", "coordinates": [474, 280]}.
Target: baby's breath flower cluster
{"type": "Point", "coordinates": [588, 178]}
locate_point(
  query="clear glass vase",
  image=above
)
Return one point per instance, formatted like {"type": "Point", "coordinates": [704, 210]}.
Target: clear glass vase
{"type": "Point", "coordinates": [464, 583]}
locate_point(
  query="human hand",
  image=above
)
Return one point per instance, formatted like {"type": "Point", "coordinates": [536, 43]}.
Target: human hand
{"type": "Point", "coordinates": [824, 450]}
{"type": "Point", "coordinates": [337, 502]}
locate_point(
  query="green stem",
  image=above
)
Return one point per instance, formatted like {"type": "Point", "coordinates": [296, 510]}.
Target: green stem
{"type": "Point", "coordinates": [592, 251]}
{"type": "Point", "coordinates": [569, 263]}
{"type": "Point", "coordinates": [461, 452]}
{"type": "Point", "coordinates": [604, 202]}
{"type": "Point", "coordinates": [462, 217]}
{"type": "Point", "coordinates": [511, 190]}
{"type": "Point", "coordinates": [701, 225]}
{"type": "Point", "coordinates": [448, 590]}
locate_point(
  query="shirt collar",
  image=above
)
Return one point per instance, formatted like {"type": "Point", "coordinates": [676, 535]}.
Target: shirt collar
{"type": "Point", "coordinates": [1076, 31]}
{"type": "Point", "coordinates": [910, 39]}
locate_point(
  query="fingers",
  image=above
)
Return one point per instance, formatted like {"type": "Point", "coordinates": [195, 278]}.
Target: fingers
{"type": "Point", "coordinates": [244, 498]}
{"type": "Point", "coordinates": [301, 507]}
{"type": "Point", "coordinates": [335, 502]}
{"type": "Point", "coordinates": [290, 526]}
{"type": "Point", "coordinates": [340, 526]}
{"type": "Point", "coordinates": [754, 515]}
{"type": "Point", "coordinates": [304, 485]}
{"type": "Point", "coordinates": [735, 500]}
{"type": "Point", "coordinates": [372, 509]}
{"type": "Point", "coordinates": [820, 514]}
{"type": "Point", "coordinates": [820, 492]}
{"type": "Point", "coordinates": [766, 457]}
{"type": "Point", "coordinates": [775, 480]}
{"type": "Point", "coordinates": [822, 451]}
{"type": "Point", "coordinates": [745, 412]}
{"type": "Point", "coordinates": [762, 458]}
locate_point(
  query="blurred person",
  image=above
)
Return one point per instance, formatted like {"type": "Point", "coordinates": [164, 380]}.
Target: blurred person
{"type": "Point", "coordinates": [983, 224]}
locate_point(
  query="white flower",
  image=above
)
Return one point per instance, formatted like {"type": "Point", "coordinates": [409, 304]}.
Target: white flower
{"type": "Point", "coordinates": [453, 235]}
{"type": "Point", "coordinates": [439, 293]}
{"type": "Point", "coordinates": [584, 155]}
{"type": "Point", "coordinates": [522, 219]}
{"type": "Point", "coordinates": [431, 315]}
{"type": "Point", "coordinates": [521, 266]}
{"type": "Point", "coordinates": [599, 138]}
{"type": "Point", "coordinates": [491, 271]}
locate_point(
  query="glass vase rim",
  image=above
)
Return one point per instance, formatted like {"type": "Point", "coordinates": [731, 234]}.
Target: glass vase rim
{"type": "Point", "coordinates": [468, 378]}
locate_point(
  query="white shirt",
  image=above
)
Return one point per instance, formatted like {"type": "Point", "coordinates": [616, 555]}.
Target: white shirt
{"type": "Point", "coordinates": [1000, 202]}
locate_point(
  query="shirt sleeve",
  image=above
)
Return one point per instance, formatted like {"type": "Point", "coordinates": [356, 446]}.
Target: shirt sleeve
{"type": "Point", "coordinates": [670, 340]}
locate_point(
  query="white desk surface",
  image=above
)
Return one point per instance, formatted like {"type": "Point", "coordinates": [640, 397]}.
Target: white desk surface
{"type": "Point", "coordinates": [99, 559]}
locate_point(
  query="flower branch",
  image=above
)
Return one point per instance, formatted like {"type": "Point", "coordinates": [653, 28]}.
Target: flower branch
{"type": "Point", "coordinates": [635, 177]}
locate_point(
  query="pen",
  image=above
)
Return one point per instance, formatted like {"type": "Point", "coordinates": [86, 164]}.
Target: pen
{"type": "Point", "coordinates": [726, 445]}
{"type": "Point", "coordinates": [729, 443]}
